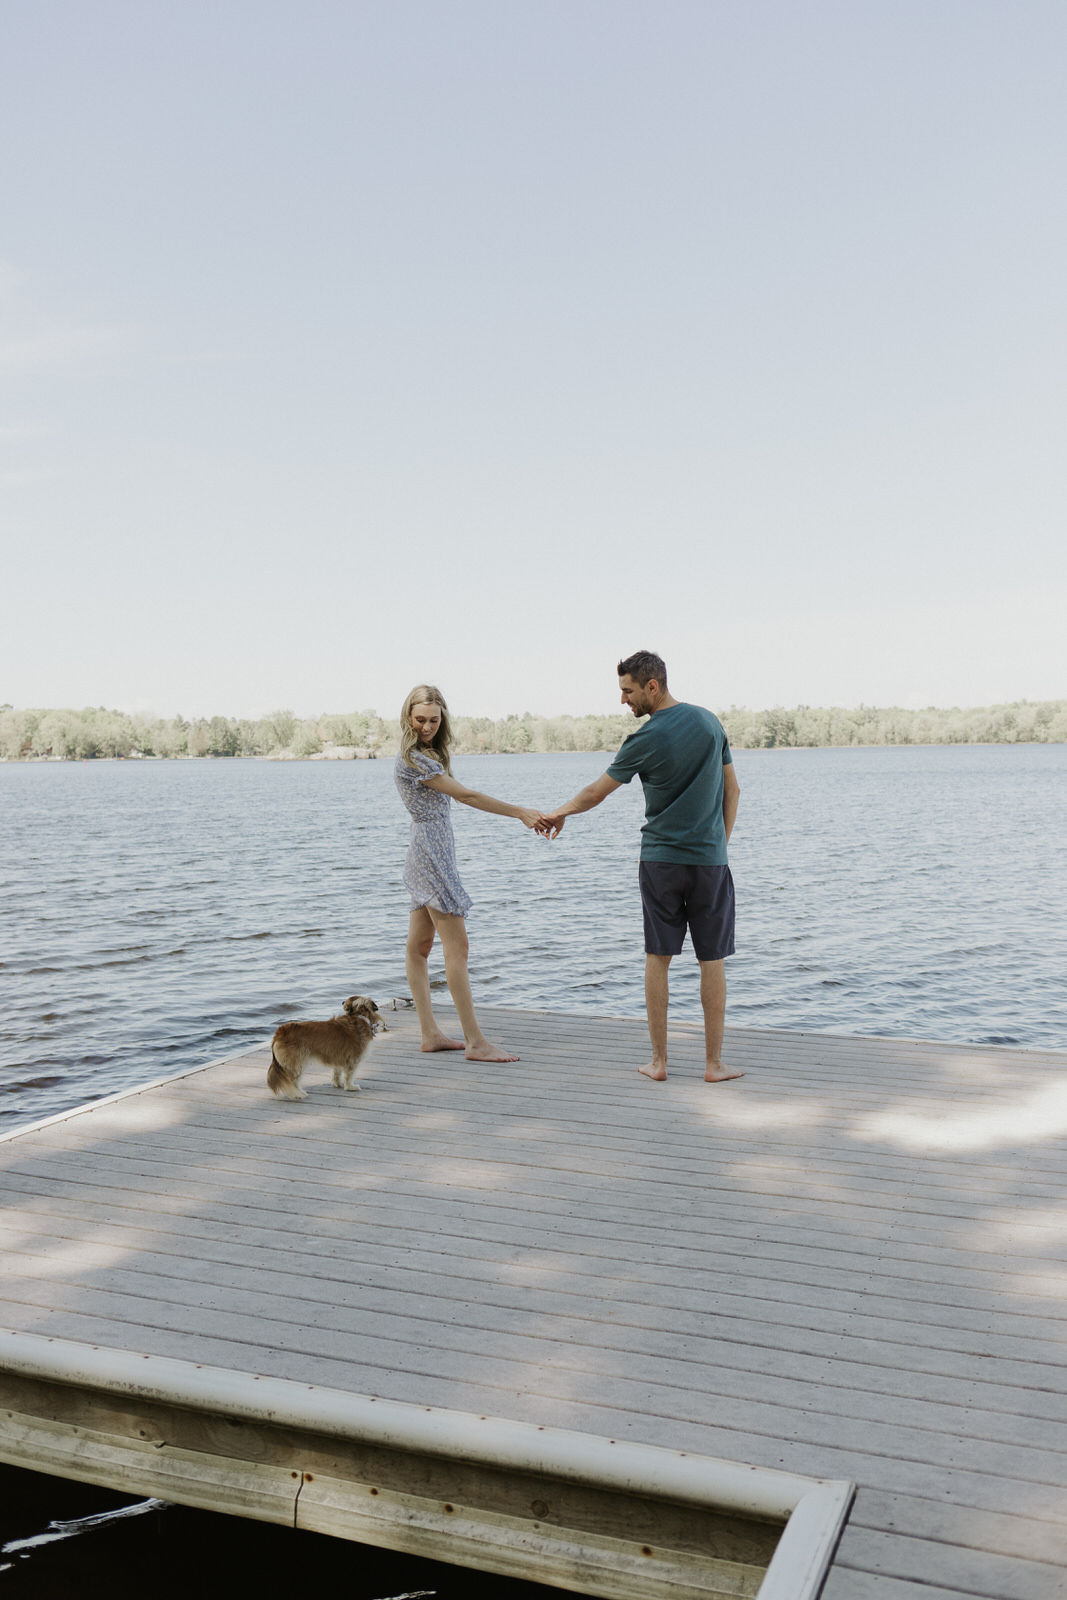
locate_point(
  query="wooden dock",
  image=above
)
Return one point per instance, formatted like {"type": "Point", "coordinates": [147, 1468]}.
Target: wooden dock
{"type": "Point", "coordinates": [849, 1264]}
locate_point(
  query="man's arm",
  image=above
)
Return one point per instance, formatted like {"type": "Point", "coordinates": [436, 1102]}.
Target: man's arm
{"type": "Point", "coordinates": [584, 800]}
{"type": "Point", "coordinates": [731, 794]}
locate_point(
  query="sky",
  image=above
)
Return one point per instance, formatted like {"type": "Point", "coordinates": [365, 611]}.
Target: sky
{"type": "Point", "coordinates": [352, 345]}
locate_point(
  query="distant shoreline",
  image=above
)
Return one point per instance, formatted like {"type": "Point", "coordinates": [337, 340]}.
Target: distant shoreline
{"type": "Point", "coordinates": [474, 755]}
{"type": "Point", "coordinates": [97, 733]}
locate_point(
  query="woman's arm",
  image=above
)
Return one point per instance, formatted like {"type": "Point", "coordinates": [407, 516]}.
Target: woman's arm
{"type": "Point", "coordinates": [482, 802]}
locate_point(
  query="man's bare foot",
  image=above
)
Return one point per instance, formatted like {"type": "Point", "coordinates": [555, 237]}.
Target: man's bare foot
{"type": "Point", "coordinates": [488, 1052]}
{"type": "Point", "coordinates": [442, 1042]}
{"type": "Point", "coordinates": [715, 1072]}
{"type": "Point", "coordinates": [655, 1071]}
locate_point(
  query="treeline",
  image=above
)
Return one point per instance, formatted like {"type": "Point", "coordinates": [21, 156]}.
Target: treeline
{"type": "Point", "coordinates": [97, 732]}
{"type": "Point", "coordinates": [809, 727]}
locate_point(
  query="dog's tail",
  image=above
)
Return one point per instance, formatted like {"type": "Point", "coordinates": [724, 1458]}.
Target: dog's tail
{"type": "Point", "coordinates": [278, 1080]}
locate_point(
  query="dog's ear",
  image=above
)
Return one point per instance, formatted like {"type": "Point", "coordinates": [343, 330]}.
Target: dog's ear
{"type": "Point", "coordinates": [351, 1005]}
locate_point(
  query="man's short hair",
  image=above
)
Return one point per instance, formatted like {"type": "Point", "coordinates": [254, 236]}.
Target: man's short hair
{"type": "Point", "coordinates": [644, 665]}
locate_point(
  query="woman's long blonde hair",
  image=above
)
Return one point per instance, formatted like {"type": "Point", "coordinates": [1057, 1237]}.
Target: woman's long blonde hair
{"type": "Point", "coordinates": [425, 694]}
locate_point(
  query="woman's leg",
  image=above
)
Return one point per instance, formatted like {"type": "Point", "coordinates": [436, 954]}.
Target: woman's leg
{"type": "Point", "coordinates": [453, 931]}
{"type": "Point", "coordinates": [419, 945]}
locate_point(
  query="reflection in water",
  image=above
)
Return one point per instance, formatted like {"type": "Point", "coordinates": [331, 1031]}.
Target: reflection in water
{"type": "Point", "coordinates": [59, 1528]}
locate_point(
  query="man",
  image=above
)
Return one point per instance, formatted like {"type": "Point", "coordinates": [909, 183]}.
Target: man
{"type": "Point", "coordinates": [683, 760]}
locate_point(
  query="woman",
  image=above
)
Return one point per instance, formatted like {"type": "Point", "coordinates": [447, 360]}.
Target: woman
{"type": "Point", "coordinates": [439, 902]}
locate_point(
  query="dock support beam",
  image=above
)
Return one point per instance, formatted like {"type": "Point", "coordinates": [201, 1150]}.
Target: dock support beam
{"type": "Point", "coordinates": [600, 1516]}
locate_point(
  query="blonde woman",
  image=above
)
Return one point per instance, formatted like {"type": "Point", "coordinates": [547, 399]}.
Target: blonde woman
{"type": "Point", "coordinates": [439, 902]}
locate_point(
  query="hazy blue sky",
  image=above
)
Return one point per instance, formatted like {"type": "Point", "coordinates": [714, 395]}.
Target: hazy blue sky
{"type": "Point", "coordinates": [351, 344]}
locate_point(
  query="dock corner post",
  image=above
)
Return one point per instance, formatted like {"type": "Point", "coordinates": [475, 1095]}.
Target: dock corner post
{"type": "Point", "coordinates": [801, 1563]}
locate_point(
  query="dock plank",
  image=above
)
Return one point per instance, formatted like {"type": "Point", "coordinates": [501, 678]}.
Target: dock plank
{"type": "Point", "coordinates": [926, 1561]}
{"type": "Point", "coordinates": [847, 1263]}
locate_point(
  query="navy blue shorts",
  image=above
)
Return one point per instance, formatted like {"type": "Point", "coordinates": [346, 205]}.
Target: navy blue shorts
{"type": "Point", "coordinates": [675, 896]}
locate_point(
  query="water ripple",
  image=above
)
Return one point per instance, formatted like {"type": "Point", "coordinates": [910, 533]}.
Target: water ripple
{"type": "Point", "coordinates": [158, 914]}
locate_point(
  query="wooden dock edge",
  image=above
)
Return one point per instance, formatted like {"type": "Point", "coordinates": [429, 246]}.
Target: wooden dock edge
{"type": "Point", "coordinates": [128, 1093]}
{"type": "Point", "coordinates": [604, 1517]}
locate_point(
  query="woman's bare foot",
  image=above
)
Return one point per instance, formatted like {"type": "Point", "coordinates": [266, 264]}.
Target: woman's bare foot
{"type": "Point", "coordinates": [715, 1072]}
{"type": "Point", "coordinates": [484, 1051]}
{"type": "Point", "coordinates": [656, 1070]}
{"type": "Point", "coordinates": [441, 1041]}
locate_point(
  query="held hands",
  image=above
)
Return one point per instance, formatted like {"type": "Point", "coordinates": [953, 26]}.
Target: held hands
{"type": "Point", "coordinates": [547, 827]}
{"type": "Point", "coordinates": [551, 826]}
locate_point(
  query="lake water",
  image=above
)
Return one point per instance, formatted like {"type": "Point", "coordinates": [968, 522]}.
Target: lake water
{"type": "Point", "coordinates": [159, 914]}
{"type": "Point", "coordinates": [156, 915]}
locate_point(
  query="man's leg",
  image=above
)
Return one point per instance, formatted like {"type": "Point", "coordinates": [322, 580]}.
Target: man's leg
{"type": "Point", "coordinates": [657, 993]}
{"type": "Point", "coordinates": [419, 945]}
{"type": "Point", "coordinates": [713, 1000]}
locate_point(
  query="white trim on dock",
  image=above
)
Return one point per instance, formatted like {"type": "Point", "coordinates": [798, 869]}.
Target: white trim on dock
{"type": "Point", "coordinates": [813, 1511]}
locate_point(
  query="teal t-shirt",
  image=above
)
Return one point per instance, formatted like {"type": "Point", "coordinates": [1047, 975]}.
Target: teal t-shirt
{"type": "Point", "coordinates": [679, 754]}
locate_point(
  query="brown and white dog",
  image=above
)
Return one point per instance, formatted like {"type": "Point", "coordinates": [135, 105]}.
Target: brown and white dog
{"type": "Point", "coordinates": [339, 1044]}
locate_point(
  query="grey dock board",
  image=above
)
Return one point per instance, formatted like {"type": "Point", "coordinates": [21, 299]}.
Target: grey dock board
{"type": "Point", "coordinates": [847, 1264]}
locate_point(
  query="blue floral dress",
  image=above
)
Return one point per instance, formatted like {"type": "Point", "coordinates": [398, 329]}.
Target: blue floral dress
{"type": "Point", "coordinates": [431, 875]}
